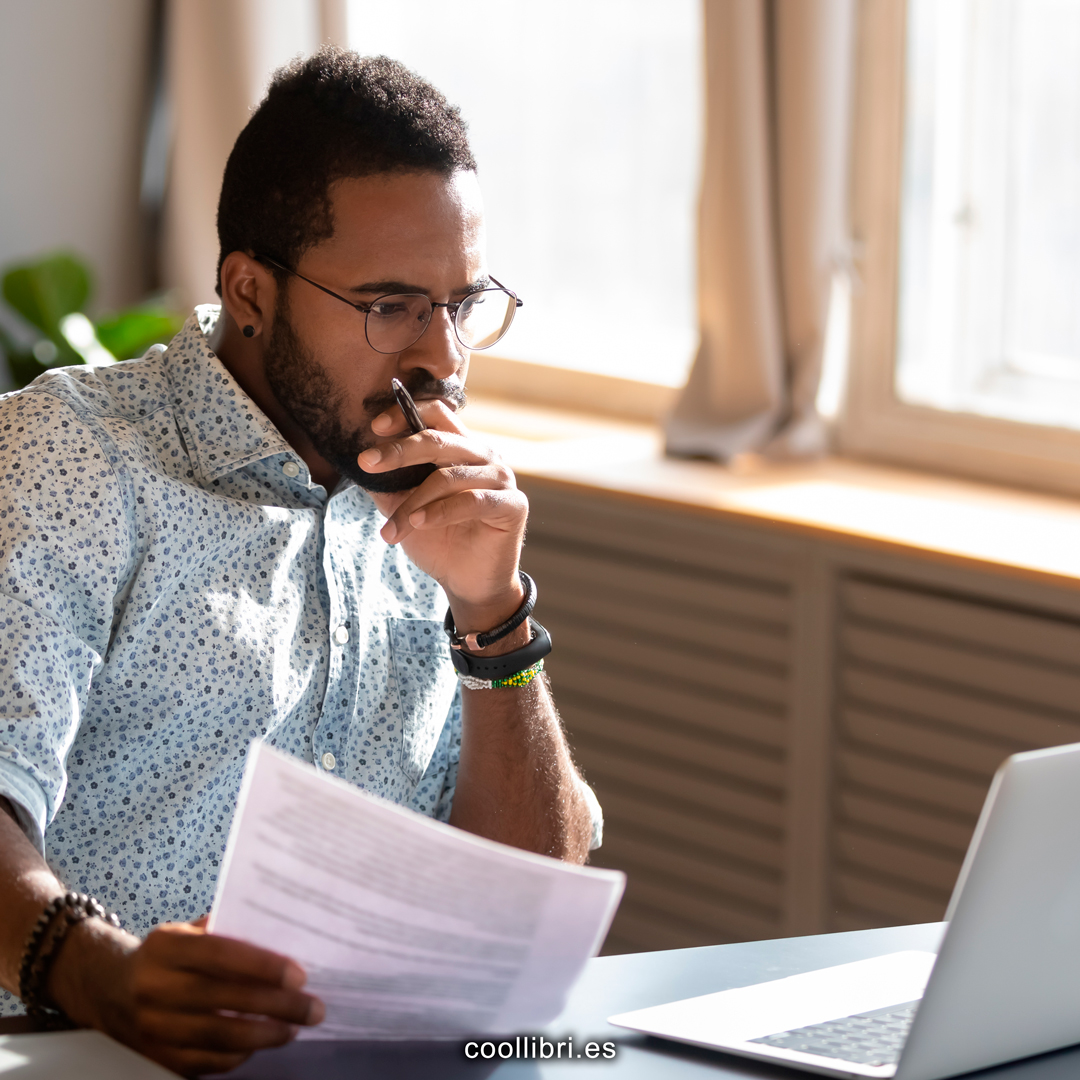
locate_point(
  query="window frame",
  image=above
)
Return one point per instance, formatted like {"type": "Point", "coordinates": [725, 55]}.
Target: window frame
{"type": "Point", "coordinates": [873, 422]}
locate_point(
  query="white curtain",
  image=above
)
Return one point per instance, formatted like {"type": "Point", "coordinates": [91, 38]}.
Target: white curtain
{"type": "Point", "coordinates": [219, 57]}
{"type": "Point", "coordinates": [773, 224]}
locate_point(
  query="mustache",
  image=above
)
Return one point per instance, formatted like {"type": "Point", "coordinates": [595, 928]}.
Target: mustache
{"type": "Point", "coordinates": [420, 385]}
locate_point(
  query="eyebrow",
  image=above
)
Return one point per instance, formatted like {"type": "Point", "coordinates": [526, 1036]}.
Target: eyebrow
{"type": "Point", "coordinates": [382, 288]}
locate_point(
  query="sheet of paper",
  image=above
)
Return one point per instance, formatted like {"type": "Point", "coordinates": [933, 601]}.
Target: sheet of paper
{"type": "Point", "coordinates": [407, 928]}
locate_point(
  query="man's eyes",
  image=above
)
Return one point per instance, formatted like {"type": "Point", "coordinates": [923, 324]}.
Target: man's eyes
{"type": "Point", "coordinates": [387, 309]}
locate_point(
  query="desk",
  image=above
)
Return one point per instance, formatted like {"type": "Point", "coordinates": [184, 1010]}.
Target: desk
{"type": "Point", "coordinates": [614, 984]}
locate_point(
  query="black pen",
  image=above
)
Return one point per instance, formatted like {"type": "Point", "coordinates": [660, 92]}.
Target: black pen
{"type": "Point", "coordinates": [408, 406]}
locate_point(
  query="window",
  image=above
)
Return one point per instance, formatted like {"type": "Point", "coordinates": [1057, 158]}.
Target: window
{"type": "Point", "coordinates": [966, 336]}
{"type": "Point", "coordinates": [990, 212]}
{"type": "Point", "coordinates": [585, 119]}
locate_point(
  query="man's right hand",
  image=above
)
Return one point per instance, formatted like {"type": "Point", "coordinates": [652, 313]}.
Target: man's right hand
{"type": "Point", "coordinates": [195, 1002]}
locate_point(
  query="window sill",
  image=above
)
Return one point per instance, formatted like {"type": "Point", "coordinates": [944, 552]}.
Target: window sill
{"type": "Point", "coordinates": [544, 384]}
{"type": "Point", "coordinates": [981, 526]}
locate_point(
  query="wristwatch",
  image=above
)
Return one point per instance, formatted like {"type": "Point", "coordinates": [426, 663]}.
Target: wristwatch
{"type": "Point", "coordinates": [502, 667]}
{"type": "Point", "coordinates": [495, 668]}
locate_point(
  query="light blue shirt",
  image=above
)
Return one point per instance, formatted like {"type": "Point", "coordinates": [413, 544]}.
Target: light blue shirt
{"type": "Point", "coordinates": [173, 585]}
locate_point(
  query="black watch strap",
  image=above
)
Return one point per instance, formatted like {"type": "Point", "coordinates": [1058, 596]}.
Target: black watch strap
{"type": "Point", "coordinates": [502, 667]}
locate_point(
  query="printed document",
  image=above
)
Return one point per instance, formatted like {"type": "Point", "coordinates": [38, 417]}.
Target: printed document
{"type": "Point", "coordinates": [407, 928]}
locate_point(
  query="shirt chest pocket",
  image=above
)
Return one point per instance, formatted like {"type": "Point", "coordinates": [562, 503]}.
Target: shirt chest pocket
{"type": "Point", "coordinates": [425, 683]}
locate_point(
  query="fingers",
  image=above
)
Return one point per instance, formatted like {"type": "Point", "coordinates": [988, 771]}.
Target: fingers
{"type": "Point", "coordinates": [504, 510]}
{"type": "Point", "coordinates": [435, 414]}
{"type": "Point", "coordinates": [457, 494]}
{"type": "Point", "coordinates": [438, 447]}
{"type": "Point", "coordinates": [185, 947]}
{"type": "Point", "coordinates": [201, 1002]}
{"type": "Point", "coordinates": [196, 1002]}
{"type": "Point", "coordinates": [180, 970]}
{"type": "Point", "coordinates": [157, 987]}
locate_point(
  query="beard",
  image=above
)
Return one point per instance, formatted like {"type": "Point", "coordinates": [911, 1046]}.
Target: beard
{"type": "Point", "coordinates": [315, 402]}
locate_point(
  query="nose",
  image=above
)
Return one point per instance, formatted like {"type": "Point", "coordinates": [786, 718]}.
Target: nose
{"type": "Point", "coordinates": [438, 351]}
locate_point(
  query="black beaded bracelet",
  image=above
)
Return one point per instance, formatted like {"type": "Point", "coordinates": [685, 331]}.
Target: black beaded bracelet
{"type": "Point", "coordinates": [52, 926]}
{"type": "Point", "coordinates": [476, 642]}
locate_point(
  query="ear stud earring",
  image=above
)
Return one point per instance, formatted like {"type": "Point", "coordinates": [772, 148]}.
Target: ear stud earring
{"type": "Point", "coordinates": [249, 331]}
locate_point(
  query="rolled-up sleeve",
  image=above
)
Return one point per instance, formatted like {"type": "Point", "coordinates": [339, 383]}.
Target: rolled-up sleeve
{"type": "Point", "coordinates": [449, 754]}
{"type": "Point", "coordinates": [596, 813]}
{"type": "Point", "coordinates": [65, 543]}
{"type": "Point", "coordinates": [27, 799]}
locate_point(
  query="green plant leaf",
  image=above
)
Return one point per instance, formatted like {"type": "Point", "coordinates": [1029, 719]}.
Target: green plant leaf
{"type": "Point", "coordinates": [8, 343]}
{"type": "Point", "coordinates": [24, 368]}
{"type": "Point", "coordinates": [130, 333]}
{"type": "Point", "coordinates": [21, 362]}
{"type": "Point", "coordinates": [46, 290]}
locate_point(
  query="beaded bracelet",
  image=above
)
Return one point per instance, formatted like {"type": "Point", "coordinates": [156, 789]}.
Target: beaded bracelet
{"type": "Point", "coordinates": [49, 932]}
{"type": "Point", "coordinates": [519, 678]}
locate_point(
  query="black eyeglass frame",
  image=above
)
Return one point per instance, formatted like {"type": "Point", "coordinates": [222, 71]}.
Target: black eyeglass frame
{"type": "Point", "coordinates": [452, 306]}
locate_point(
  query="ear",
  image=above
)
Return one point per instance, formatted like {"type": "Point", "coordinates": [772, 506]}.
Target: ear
{"type": "Point", "coordinates": [248, 291]}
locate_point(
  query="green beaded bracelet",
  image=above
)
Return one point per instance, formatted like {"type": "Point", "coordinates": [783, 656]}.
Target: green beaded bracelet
{"type": "Point", "coordinates": [519, 678]}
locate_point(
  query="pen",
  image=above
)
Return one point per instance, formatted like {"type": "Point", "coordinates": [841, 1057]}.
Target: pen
{"type": "Point", "coordinates": [408, 406]}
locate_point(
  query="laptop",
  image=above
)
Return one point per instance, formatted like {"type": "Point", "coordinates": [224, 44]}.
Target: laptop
{"type": "Point", "coordinates": [1004, 984]}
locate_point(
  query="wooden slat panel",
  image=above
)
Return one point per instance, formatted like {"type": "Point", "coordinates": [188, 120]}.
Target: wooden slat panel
{"type": "Point", "coordinates": [936, 829]}
{"type": "Point", "coordinates": [1041, 637]}
{"type": "Point", "coordinates": [934, 693]}
{"type": "Point", "coordinates": [648, 621]}
{"type": "Point", "coordinates": [895, 904]}
{"type": "Point", "coordinates": [629, 692]}
{"type": "Point", "coordinates": [673, 588]}
{"type": "Point", "coordinates": [1012, 726]}
{"type": "Point", "coordinates": [985, 674]}
{"type": "Point", "coordinates": [569, 520]}
{"type": "Point", "coordinates": [625, 808]}
{"type": "Point", "coordinates": [725, 920]}
{"type": "Point", "coordinates": [922, 741]}
{"type": "Point", "coordinates": [671, 669]}
{"type": "Point", "coordinates": [704, 795]}
{"type": "Point", "coordinates": [705, 875]}
{"type": "Point", "coordinates": [846, 919]}
{"type": "Point", "coordinates": [896, 860]}
{"type": "Point", "coordinates": [680, 748]}
{"type": "Point", "coordinates": [923, 786]}
{"type": "Point", "coordinates": [639, 928]}
{"type": "Point", "coordinates": [617, 651]}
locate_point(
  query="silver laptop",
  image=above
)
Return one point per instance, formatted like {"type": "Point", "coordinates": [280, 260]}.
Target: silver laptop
{"type": "Point", "coordinates": [1005, 983]}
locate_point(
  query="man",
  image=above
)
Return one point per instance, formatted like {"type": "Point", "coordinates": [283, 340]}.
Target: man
{"type": "Point", "coordinates": [239, 538]}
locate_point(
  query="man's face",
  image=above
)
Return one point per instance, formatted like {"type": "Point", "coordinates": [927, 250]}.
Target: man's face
{"type": "Point", "coordinates": [393, 233]}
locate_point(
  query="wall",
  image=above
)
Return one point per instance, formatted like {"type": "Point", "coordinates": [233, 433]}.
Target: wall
{"type": "Point", "coordinates": [73, 79]}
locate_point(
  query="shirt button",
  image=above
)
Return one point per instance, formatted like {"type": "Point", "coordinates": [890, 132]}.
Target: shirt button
{"type": "Point", "coordinates": [341, 635]}
{"type": "Point", "coordinates": [290, 469]}
{"type": "Point", "coordinates": [328, 761]}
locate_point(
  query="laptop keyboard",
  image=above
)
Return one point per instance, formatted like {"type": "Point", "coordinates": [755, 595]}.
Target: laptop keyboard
{"type": "Point", "coordinates": [870, 1038]}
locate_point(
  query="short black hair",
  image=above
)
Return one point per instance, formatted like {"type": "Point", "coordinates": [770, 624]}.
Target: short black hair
{"type": "Point", "coordinates": [333, 116]}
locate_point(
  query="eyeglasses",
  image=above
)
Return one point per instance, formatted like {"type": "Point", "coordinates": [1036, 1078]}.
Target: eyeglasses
{"type": "Point", "coordinates": [394, 322]}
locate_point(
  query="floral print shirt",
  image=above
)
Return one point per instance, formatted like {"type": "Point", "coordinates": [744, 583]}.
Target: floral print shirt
{"type": "Point", "coordinates": [173, 585]}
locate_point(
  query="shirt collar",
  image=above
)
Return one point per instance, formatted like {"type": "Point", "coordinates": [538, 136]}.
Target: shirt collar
{"type": "Point", "coordinates": [223, 427]}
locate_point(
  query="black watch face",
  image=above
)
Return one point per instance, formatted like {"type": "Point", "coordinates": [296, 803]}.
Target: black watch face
{"type": "Point", "coordinates": [460, 661]}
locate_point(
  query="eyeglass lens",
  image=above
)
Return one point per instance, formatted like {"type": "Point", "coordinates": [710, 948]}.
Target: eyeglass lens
{"type": "Point", "coordinates": [396, 322]}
